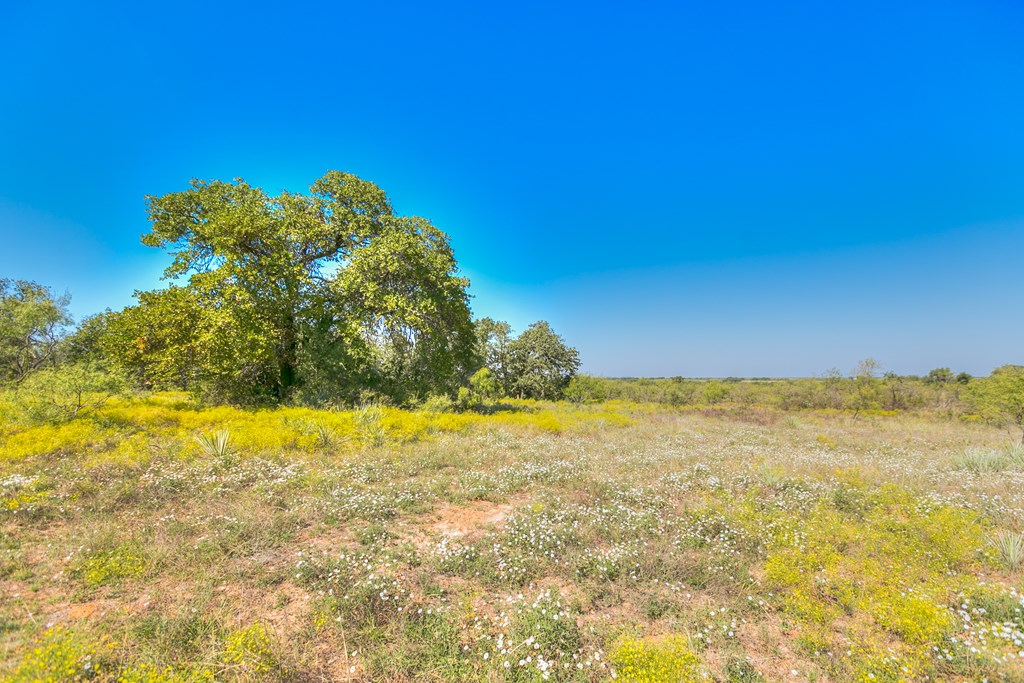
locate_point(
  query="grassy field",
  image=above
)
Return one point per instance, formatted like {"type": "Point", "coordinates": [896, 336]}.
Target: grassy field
{"type": "Point", "coordinates": [155, 541]}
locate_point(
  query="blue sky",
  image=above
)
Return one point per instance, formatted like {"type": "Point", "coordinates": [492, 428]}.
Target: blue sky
{"type": "Point", "coordinates": [705, 189]}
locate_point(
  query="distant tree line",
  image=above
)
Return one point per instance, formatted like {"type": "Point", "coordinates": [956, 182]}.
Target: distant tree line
{"type": "Point", "coordinates": [998, 398]}
{"type": "Point", "coordinates": [324, 298]}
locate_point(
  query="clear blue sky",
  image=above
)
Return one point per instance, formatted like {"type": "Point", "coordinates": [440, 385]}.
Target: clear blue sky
{"type": "Point", "coordinates": [706, 189]}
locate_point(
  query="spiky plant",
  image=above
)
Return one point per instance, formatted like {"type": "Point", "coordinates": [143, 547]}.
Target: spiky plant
{"type": "Point", "coordinates": [326, 437]}
{"type": "Point", "coordinates": [216, 444]}
{"type": "Point", "coordinates": [369, 426]}
{"type": "Point", "coordinates": [1009, 548]}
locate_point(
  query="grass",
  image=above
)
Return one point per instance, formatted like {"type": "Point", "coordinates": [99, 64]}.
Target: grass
{"type": "Point", "coordinates": [157, 540]}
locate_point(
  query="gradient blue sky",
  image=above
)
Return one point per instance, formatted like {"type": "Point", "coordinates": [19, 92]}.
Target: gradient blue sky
{"type": "Point", "coordinates": [704, 188]}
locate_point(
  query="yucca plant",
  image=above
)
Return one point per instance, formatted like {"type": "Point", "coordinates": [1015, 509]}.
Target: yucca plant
{"type": "Point", "coordinates": [216, 444]}
{"type": "Point", "coordinates": [771, 477]}
{"type": "Point", "coordinates": [368, 425]}
{"type": "Point", "coordinates": [1009, 548]}
{"type": "Point", "coordinates": [326, 437]}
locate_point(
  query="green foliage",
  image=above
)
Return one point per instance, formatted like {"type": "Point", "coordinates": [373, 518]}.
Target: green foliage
{"type": "Point", "coordinates": [483, 386]}
{"type": "Point", "coordinates": [939, 376]}
{"type": "Point", "coordinates": [62, 393]}
{"type": "Point", "coordinates": [540, 363]}
{"type": "Point", "coordinates": [438, 403]}
{"type": "Point", "coordinates": [867, 390]}
{"type": "Point", "coordinates": [714, 392]}
{"type": "Point", "coordinates": [415, 325]}
{"type": "Point", "coordinates": [536, 364]}
{"type": "Point", "coordinates": [315, 297]}
{"type": "Point", "coordinates": [585, 388]}
{"type": "Point", "coordinates": [492, 340]}
{"type": "Point", "coordinates": [32, 319]}
{"type": "Point", "coordinates": [180, 338]}
{"type": "Point", "coordinates": [1000, 397]}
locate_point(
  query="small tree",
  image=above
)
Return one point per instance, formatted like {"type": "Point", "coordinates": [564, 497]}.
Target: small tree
{"type": "Point", "coordinates": [541, 363]}
{"type": "Point", "coordinates": [492, 339]}
{"type": "Point", "coordinates": [1000, 397]}
{"type": "Point", "coordinates": [866, 388]}
{"type": "Point", "coordinates": [939, 376]}
{"type": "Point", "coordinates": [32, 322]}
{"type": "Point", "coordinates": [57, 394]}
{"type": "Point", "coordinates": [483, 386]}
{"type": "Point", "coordinates": [322, 297]}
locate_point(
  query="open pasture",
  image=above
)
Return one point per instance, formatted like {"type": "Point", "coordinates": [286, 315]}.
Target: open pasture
{"type": "Point", "coordinates": [154, 541]}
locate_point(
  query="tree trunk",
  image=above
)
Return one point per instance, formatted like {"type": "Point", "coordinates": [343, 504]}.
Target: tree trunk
{"type": "Point", "coordinates": [287, 362]}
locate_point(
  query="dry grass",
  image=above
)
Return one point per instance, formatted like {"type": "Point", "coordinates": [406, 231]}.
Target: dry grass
{"type": "Point", "coordinates": [734, 546]}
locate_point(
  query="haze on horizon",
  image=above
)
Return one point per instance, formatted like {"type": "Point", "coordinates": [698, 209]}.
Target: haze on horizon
{"type": "Point", "coordinates": [680, 190]}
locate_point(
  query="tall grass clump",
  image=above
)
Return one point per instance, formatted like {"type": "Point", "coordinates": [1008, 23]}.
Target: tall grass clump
{"type": "Point", "coordinates": [981, 460]}
{"type": "Point", "coordinates": [1009, 547]}
{"type": "Point", "coordinates": [326, 437]}
{"type": "Point", "coordinates": [1014, 452]}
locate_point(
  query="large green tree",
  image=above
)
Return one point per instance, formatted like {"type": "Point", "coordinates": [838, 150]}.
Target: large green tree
{"type": "Point", "coordinates": [325, 293]}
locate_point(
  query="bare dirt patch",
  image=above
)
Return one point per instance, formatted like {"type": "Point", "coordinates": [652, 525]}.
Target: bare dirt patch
{"type": "Point", "coordinates": [466, 521]}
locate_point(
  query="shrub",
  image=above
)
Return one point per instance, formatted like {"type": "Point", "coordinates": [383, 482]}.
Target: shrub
{"type": "Point", "coordinates": [654, 661]}
{"type": "Point", "coordinates": [438, 403]}
{"type": "Point", "coordinates": [62, 656]}
{"type": "Point", "coordinates": [251, 650]}
{"type": "Point", "coordinates": [584, 388]}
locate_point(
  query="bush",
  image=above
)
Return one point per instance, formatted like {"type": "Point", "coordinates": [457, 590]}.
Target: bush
{"type": "Point", "coordinates": [250, 650]}
{"type": "Point", "coordinates": [438, 403]}
{"type": "Point", "coordinates": [652, 661]}
{"type": "Point", "coordinates": [585, 388]}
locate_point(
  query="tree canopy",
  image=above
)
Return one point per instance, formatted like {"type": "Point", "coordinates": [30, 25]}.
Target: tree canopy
{"type": "Point", "coordinates": [536, 364]}
{"type": "Point", "coordinates": [325, 295]}
{"type": "Point", "coordinates": [32, 319]}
